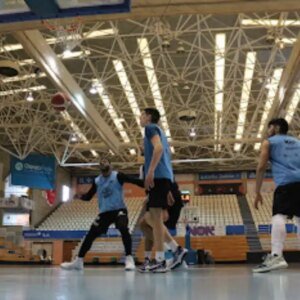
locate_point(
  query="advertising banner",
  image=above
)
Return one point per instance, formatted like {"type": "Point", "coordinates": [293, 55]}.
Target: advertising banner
{"type": "Point", "coordinates": [35, 171]}
{"type": "Point", "coordinates": [220, 176]}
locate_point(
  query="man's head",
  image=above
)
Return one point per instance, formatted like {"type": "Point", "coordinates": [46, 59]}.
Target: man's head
{"type": "Point", "coordinates": [278, 126]}
{"type": "Point", "coordinates": [105, 166]}
{"type": "Point", "coordinates": [149, 115]}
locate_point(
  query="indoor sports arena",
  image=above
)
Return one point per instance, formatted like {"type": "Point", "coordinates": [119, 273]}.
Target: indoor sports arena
{"type": "Point", "coordinates": [149, 149]}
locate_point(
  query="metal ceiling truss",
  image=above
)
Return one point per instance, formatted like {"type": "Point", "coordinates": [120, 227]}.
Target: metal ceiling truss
{"type": "Point", "coordinates": [185, 69]}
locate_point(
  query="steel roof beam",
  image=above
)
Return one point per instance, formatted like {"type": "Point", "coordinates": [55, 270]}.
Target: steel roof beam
{"type": "Point", "coordinates": [36, 46]}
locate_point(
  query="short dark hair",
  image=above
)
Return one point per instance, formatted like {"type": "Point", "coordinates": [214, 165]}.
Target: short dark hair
{"type": "Point", "coordinates": [154, 113]}
{"type": "Point", "coordinates": [282, 123]}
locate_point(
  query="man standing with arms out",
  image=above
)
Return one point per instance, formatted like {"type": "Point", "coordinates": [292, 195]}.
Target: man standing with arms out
{"type": "Point", "coordinates": [158, 180]}
{"type": "Point", "coordinates": [283, 151]}
{"type": "Point", "coordinates": [109, 188]}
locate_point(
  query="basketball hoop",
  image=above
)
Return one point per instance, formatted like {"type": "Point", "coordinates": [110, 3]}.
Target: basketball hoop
{"type": "Point", "coordinates": [68, 35]}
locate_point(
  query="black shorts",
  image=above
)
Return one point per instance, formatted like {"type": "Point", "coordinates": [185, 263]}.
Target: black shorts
{"type": "Point", "coordinates": [287, 200]}
{"type": "Point", "coordinates": [158, 195]}
{"type": "Point", "coordinates": [174, 214]}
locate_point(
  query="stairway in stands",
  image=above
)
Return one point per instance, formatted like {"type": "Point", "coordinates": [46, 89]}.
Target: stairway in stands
{"type": "Point", "coordinates": [250, 228]}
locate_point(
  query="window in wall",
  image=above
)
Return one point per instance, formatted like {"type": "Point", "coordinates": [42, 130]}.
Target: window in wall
{"type": "Point", "coordinates": [65, 193]}
{"type": "Point", "coordinates": [15, 190]}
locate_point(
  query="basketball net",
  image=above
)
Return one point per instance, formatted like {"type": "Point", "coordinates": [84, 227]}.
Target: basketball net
{"type": "Point", "coordinates": [68, 35]}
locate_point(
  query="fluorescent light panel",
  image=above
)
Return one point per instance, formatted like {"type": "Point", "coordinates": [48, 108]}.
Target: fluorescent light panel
{"type": "Point", "coordinates": [269, 103]}
{"type": "Point", "coordinates": [288, 41]}
{"type": "Point", "coordinates": [113, 114]}
{"type": "Point", "coordinates": [119, 67]}
{"type": "Point", "coordinates": [23, 90]}
{"type": "Point", "coordinates": [270, 22]}
{"type": "Point", "coordinates": [22, 77]}
{"type": "Point", "coordinates": [55, 40]}
{"type": "Point", "coordinates": [153, 82]}
{"type": "Point", "coordinates": [293, 105]}
{"type": "Point", "coordinates": [77, 131]}
{"type": "Point", "coordinates": [246, 89]}
{"type": "Point", "coordinates": [94, 153]}
{"type": "Point", "coordinates": [73, 54]}
{"type": "Point", "coordinates": [220, 44]}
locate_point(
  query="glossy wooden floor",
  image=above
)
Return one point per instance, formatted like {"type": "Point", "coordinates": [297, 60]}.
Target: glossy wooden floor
{"type": "Point", "coordinates": [221, 282]}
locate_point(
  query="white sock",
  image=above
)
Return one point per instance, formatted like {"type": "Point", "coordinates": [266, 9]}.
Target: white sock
{"type": "Point", "coordinates": [166, 247]}
{"type": "Point", "coordinates": [173, 245]}
{"type": "Point", "coordinates": [278, 234]}
{"type": "Point", "coordinates": [160, 256]}
{"type": "Point", "coordinates": [148, 254]}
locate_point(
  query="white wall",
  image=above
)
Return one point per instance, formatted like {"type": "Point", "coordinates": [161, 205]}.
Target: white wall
{"type": "Point", "coordinates": [186, 182]}
{"type": "Point", "coordinates": [5, 162]}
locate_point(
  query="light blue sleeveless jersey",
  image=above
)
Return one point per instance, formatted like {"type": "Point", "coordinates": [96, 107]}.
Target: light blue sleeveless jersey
{"type": "Point", "coordinates": [285, 159]}
{"type": "Point", "coordinates": [164, 168]}
{"type": "Point", "coordinates": [110, 193]}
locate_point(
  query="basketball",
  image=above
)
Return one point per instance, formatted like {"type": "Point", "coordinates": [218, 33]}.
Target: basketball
{"type": "Point", "coordinates": [60, 101]}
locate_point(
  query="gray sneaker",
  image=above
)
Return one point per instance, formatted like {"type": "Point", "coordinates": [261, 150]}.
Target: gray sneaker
{"type": "Point", "coordinates": [270, 263]}
{"type": "Point", "coordinates": [178, 258]}
{"type": "Point", "coordinates": [158, 267]}
{"type": "Point", "coordinates": [145, 267]}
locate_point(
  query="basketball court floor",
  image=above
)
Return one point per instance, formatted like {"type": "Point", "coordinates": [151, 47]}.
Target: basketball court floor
{"type": "Point", "coordinates": [234, 282]}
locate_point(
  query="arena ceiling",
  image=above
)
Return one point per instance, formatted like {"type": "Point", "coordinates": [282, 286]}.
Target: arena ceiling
{"type": "Point", "coordinates": [230, 73]}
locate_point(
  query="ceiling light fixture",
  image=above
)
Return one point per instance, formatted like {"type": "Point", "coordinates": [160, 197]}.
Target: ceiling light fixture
{"type": "Point", "coordinates": [192, 132]}
{"type": "Point", "coordinates": [246, 90]}
{"type": "Point", "coordinates": [30, 98]}
{"type": "Point", "coordinates": [153, 82]}
{"type": "Point", "coordinates": [220, 44]}
{"type": "Point", "coordinates": [269, 103]}
{"type": "Point", "coordinates": [119, 67]}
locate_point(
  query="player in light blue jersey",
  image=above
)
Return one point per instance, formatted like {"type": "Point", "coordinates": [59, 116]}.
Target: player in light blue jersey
{"type": "Point", "coordinates": [109, 189]}
{"type": "Point", "coordinates": [283, 151]}
{"type": "Point", "coordinates": [158, 180]}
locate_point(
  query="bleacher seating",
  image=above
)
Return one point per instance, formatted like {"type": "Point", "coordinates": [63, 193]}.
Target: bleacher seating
{"type": "Point", "coordinates": [212, 210]}
{"type": "Point", "coordinates": [263, 215]}
{"type": "Point", "coordinates": [103, 250]}
{"type": "Point", "coordinates": [79, 215]}
{"type": "Point", "coordinates": [292, 243]}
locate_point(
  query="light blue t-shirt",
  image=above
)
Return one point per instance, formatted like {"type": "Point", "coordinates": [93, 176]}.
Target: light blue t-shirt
{"type": "Point", "coordinates": [164, 168]}
{"type": "Point", "coordinates": [285, 159]}
{"type": "Point", "coordinates": [110, 193]}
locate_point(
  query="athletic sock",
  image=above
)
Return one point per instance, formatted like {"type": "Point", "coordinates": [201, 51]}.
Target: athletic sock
{"type": "Point", "coordinates": [166, 247]}
{"type": "Point", "coordinates": [148, 254]}
{"type": "Point", "coordinates": [173, 245]}
{"type": "Point", "coordinates": [278, 234]}
{"type": "Point", "coordinates": [160, 256]}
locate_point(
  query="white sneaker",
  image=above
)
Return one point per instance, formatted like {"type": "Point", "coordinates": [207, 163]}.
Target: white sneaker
{"type": "Point", "coordinates": [129, 263]}
{"type": "Point", "coordinates": [76, 264]}
{"type": "Point", "coordinates": [271, 262]}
